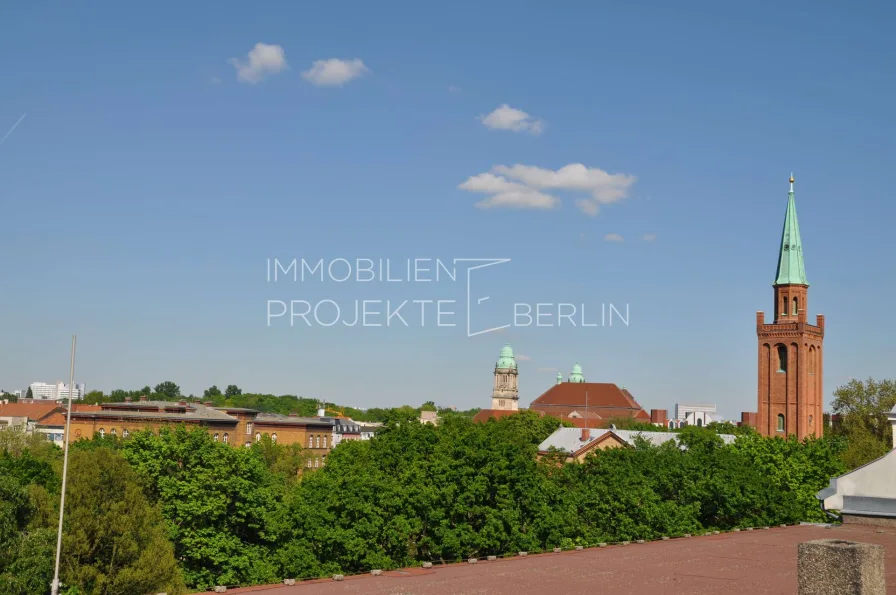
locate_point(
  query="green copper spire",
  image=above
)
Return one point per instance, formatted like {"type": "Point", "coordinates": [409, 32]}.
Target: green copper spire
{"type": "Point", "coordinates": [576, 375]}
{"type": "Point", "coordinates": [791, 270]}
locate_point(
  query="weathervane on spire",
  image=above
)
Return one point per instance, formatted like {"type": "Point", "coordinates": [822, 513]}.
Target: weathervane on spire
{"type": "Point", "coordinates": [791, 181]}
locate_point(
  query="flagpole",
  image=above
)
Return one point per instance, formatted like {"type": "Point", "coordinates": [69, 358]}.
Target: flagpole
{"type": "Point", "coordinates": [54, 587]}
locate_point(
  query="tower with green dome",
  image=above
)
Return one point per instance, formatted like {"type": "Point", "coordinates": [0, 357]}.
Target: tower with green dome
{"type": "Point", "coordinates": [576, 374]}
{"type": "Point", "coordinates": [505, 393]}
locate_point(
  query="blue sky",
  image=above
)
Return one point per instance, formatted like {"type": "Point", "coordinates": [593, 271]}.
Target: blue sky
{"type": "Point", "coordinates": [150, 181]}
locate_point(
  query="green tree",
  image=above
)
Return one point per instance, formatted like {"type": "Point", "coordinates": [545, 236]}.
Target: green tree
{"type": "Point", "coordinates": [95, 396]}
{"type": "Point", "coordinates": [212, 392]}
{"type": "Point", "coordinates": [232, 390]}
{"type": "Point", "coordinates": [26, 556]}
{"type": "Point", "coordinates": [114, 540]}
{"type": "Point", "coordinates": [12, 398]}
{"type": "Point", "coordinates": [429, 406]}
{"type": "Point", "coordinates": [217, 500]}
{"type": "Point", "coordinates": [167, 391]}
{"type": "Point", "coordinates": [863, 408]}
{"type": "Point", "coordinates": [29, 394]}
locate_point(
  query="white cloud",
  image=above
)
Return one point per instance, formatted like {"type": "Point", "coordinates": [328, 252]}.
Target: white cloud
{"type": "Point", "coordinates": [334, 72]}
{"type": "Point", "coordinates": [215, 80]}
{"type": "Point", "coordinates": [527, 186]}
{"type": "Point", "coordinates": [649, 237]}
{"type": "Point", "coordinates": [523, 358]}
{"type": "Point", "coordinates": [508, 118]}
{"type": "Point", "coordinates": [453, 89]}
{"type": "Point", "coordinates": [507, 194]}
{"type": "Point", "coordinates": [261, 61]}
{"type": "Point", "coordinates": [613, 237]}
{"type": "Point", "coordinates": [546, 370]}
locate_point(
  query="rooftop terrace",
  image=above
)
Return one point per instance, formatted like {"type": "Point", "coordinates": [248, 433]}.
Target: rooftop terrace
{"type": "Point", "coordinates": [754, 562]}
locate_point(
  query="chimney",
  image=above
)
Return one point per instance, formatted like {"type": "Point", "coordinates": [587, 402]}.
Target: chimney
{"type": "Point", "coordinates": [127, 399]}
{"type": "Point", "coordinates": [208, 404]}
{"type": "Point", "coordinates": [293, 415]}
{"type": "Point", "coordinates": [142, 398]}
{"type": "Point", "coordinates": [182, 403]}
{"type": "Point", "coordinates": [586, 435]}
{"type": "Point", "coordinates": [748, 419]}
{"type": "Point", "coordinates": [321, 412]}
{"type": "Point", "coordinates": [658, 417]}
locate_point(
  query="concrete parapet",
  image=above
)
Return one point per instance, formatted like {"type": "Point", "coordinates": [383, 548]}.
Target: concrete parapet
{"type": "Point", "coordinates": [838, 567]}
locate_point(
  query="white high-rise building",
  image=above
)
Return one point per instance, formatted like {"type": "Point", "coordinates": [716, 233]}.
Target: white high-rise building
{"type": "Point", "coordinates": [53, 392]}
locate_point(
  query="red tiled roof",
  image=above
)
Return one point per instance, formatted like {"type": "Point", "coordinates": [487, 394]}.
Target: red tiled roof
{"type": "Point", "coordinates": [604, 401]}
{"type": "Point", "coordinates": [54, 419]}
{"type": "Point", "coordinates": [33, 411]}
{"type": "Point", "coordinates": [573, 394]}
{"type": "Point", "coordinates": [57, 417]}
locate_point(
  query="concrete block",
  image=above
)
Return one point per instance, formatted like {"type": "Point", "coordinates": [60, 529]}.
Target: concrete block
{"type": "Point", "coordinates": [579, 548]}
{"type": "Point", "coordinates": [665, 538]}
{"type": "Point", "coordinates": [737, 530]}
{"type": "Point", "coordinates": [749, 528]}
{"type": "Point", "coordinates": [640, 541]}
{"type": "Point", "coordinates": [687, 534]}
{"type": "Point", "coordinates": [765, 528]}
{"type": "Point", "coordinates": [557, 550]}
{"type": "Point", "coordinates": [492, 558]}
{"type": "Point", "coordinates": [289, 581]}
{"type": "Point", "coordinates": [838, 567]}
{"type": "Point", "coordinates": [783, 525]}
{"type": "Point", "coordinates": [708, 533]}
{"type": "Point", "coordinates": [523, 554]}
{"type": "Point", "coordinates": [338, 577]}
{"type": "Point", "coordinates": [715, 532]}
{"type": "Point", "coordinates": [472, 561]}
{"type": "Point", "coordinates": [601, 545]}
{"type": "Point", "coordinates": [626, 542]}
{"type": "Point", "coordinates": [220, 589]}
{"type": "Point", "coordinates": [376, 572]}
{"type": "Point", "coordinates": [427, 565]}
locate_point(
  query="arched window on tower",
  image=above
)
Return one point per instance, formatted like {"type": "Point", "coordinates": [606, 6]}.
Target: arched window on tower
{"type": "Point", "coordinates": [796, 308]}
{"type": "Point", "coordinates": [780, 422]}
{"type": "Point", "coordinates": [782, 358]}
{"type": "Point", "coordinates": [699, 422]}
{"type": "Point", "coordinates": [783, 306]}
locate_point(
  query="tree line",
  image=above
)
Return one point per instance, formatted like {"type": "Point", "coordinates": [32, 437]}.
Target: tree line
{"type": "Point", "coordinates": [233, 396]}
{"type": "Point", "coordinates": [175, 510]}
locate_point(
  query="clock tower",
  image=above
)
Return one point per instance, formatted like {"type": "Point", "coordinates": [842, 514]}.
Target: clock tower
{"type": "Point", "coordinates": [790, 349]}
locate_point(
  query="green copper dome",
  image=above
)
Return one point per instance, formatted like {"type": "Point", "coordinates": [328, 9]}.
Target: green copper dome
{"type": "Point", "coordinates": [576, 375]}
{"type": "Point", "coordinates": [791, 269]}
{"type": "Point", "coordinates": [506, 360]}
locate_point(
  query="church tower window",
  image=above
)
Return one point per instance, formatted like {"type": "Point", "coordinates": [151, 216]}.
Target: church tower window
{"type": "Point", "coordinates": [780, 422]}
{"type": "Point", "coordinates": [782, 358]}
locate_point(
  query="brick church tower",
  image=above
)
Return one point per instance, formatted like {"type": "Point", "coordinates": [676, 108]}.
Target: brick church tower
{"type": "Point", "coordinates": [790, 349]}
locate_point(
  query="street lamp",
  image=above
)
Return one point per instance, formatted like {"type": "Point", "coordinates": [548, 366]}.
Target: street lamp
{"type": "Point", "coordinates": [54, 586]}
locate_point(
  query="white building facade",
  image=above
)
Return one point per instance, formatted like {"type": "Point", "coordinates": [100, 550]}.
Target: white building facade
{"type": "Point", "coordinates": [700, 415]}
{"type": "Point", "coordinates": [43, 391]}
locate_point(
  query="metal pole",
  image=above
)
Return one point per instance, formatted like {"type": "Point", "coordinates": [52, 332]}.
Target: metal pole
{"type": "Point", "coordinates": [54, 587]}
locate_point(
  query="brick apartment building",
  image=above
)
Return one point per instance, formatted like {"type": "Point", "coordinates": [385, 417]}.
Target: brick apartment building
{"type": "Point", "coordinates": [230, 425]}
